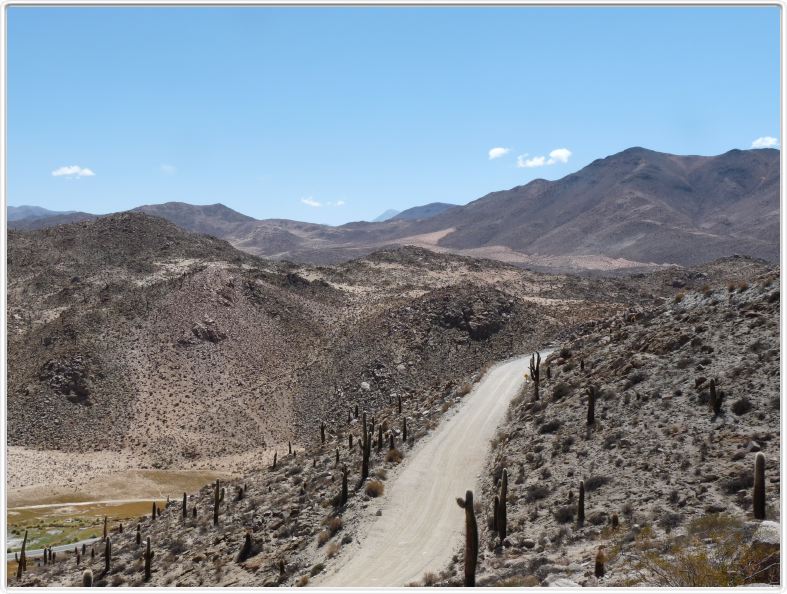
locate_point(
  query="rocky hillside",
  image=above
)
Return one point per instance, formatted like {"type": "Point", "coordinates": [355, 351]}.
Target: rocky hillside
{"type": "Point", "coordinates": [667, 480]}
{"type": "Point", "coordinates": [128, 333]}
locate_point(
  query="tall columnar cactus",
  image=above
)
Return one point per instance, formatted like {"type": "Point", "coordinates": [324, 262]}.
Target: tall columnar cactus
{"type": "Point", "coordinates": [581, 504]}
{"type": "Point", "coordinates": [399, 404]}
{"type": "Point", "coordinates": [592, 393]}
{"type": "Point", "coordinates": [343, 497]}
{"type": "Point", "coordinates": [184, 506]}
{"type": "Point", "coordinates": [471, 538]}
{"type": "Point", "coordinates": [275, 456]}
{"type": "Point", "coordinates": [535, 372]}
{"type": "Point", "coordinates": [107, 555]}
{"type": "Point", "coordinates": [337, 456]}
{"type": "Point", "coordinates": [246, 548]}
{"type": "Point", "coordinates": [379, 437]}
{"type": "Point", "coordinates": [549, 372]}
{"type": "Point", "coordinates": [759, 486]}
{"type": "Point", "coordinates": [322, 432]}
{"type": "Point", "coordinates": [356, 412]}
{"type": "Point", "coordinates": [350, 441]}
{"type": "Point", "coordinates": [148, 556]}
{"type": "Point", "coordinates": [716, 398]}
{"type": "Point", "coordinates": [495, 513]}
{"type": "Point", "coordinates": [404, 430]}
{"type": "Point", "coordinates": [153, 513]}
{"type": "Point", "coordinates": [289, 448]}
{"type": "Point", "coordinates": [216, 501]}
{"type": "Point", "coordinates": [600, 560]}
{"type": "Point", "coordinates": [502, 515]}
{"type": "Point", "coordinates": [87, 579]}
{"type": "Point", "coordinates": [139, 535]}
{"type": "Point", "coordinates": [392, 444]}
{"type": "Point", "coordinates": [366, 447]}
{"type": "Point", "coordinates": [105, 528]}
{"type": "Point", "coordinates": [582, 365]}
{"type": "Point", "coordinates": [22, 563]}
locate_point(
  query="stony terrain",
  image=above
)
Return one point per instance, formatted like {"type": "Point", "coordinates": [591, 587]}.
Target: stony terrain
{"type": "Point", "coordinates": [656, 456]}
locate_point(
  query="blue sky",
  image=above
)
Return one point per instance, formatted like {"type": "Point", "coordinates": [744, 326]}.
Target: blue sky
{"type": "Point", "coordinates": [337, 114]}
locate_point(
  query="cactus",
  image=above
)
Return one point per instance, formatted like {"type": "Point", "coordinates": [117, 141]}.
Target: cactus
{"type": "Point", "coordinates": [392, 445]}
{"type": "Point", "coordinates": [615, 521]}
{"type": "Point", "coordinates": [275, 455]}
{"type": "Point", "coordinates": [221, 495]}
{"type": "Point", "coordinates": [715, 398]}
{"type": "Point", "coordinates": [84, 549]}
{"type": "Point", "coordinates": [758, 499]}
{"type": "Point", "coordinates": [184, 506]}
{"type": "Point", "coordinates": [92, 553]}
{"type": "Point", "coordinates": [404, 430]}
{"type": "Point", "coordinates": [337, 457]}
{"type": "Point", "coordinates": [216, 501]}
{"type": "Point", "coordinates": [366, 447]}
{"type": "Point", "coordinates": [107, 555]}
{"type": "Point", "coordinates": [350, 441]}
{"type": "Point", "coordinates": [399, 404]}
{"type": "Point", "coordinates": [87, 579]}
{"type": "Point", "coordinates": [79, 558]}
{"type": "Point", "coordinates": [600, 559]}
{"type": "Point", "coordinates": [120, 528]}
{"type": "Point", "coordinates": [246, 549]}
{"type": "Point", "coordinates": [22, 564]}
{"type": "Point", "coordinates": [535, 364]}
{"type": "Point", "coordinates": [139, 535]}
{"type": "Point", "coordinates": [194, 512]}
{"type": "Point", "coordinates": [153, 513]}
{"type": "Point", "coordinates": [289, 448]}
{"type": "Point", "coordinates": [148, 556]}
{"type": "Point", "coordinates": [581, 504]}
{"type": "Point", "coordinates": [495, 512]}
{"type": "Point", "coordinates": [322, 432]}
{"type": "Point", "coordinates": [582, 365]}
{"type": "Point", "coordinates": [343, 498]}
{"type": "Point", "coordinates": [549, 372]}
{"type": "Point", "coordinates": [356, 411]}
{"type": "Point", "coordinates": [471, 538]}
{"type": "Point", "coordinates": [379, 438]}
{"type": "Point", "coordinates": [592, 393]}
{"type": "Point", "coordinates": [105, 528]}
{"type": "Point", "coordinates": [502, 516]}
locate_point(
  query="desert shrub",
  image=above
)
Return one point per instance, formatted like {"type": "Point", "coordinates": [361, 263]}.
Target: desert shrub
{"type": "Point", "coordinates": [334, 524]}
{"type": "Point", "coordinates": [302, 581]}
{"type": "Point", "coordinates": [635, 377]}
{"type": "Point", "coordinates": [669, 520]}
{"type": "Point", "coordinates": [596, 482]}
{"type": "Point", "coordinates": [430, 579]}
{"type": "Point", "coordinates": [714, 526]}
{"type": "Point", "coordinates": [332, 549]}
{"type": "Point", "coordinates": [679, 297]}
{"type": "Point", "coordinates": [464, 389]}
{"type": "Point", "coordinates": [375, 488]}
{"type": "Point", "coordinates": [561, 390]}
{"type": "Point", "coordinates": [536, 491]}
{"type": "Point", "coordinates": [741, 406]}
{"type": "Point", "coordinates": [565, 353]}
{"type": "Point", "coordinates": [316, 569]}
{"type": "Point", "coordinates": [393, 456]}
{"type": "Point", "coordinates": [323, 537]}
{"type": "Point", "coordinates": [597, 518]}
{"type": "Point", "coordinates": [550, 426]}
{"type": "Point", "coordinates": [564, 514]}
{"type": "Point", "coordinates": [743, 479]}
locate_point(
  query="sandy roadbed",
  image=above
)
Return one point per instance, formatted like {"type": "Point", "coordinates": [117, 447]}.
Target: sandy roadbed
{"type": "Point", "coordinates": [421, 526]}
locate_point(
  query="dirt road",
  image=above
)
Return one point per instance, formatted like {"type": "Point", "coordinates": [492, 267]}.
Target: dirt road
{"type": "Point", "coordinates": [421, 526]}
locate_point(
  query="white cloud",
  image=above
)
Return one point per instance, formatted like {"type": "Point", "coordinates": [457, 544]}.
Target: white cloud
{"type": "Point", "coordinates": [497, 152]}
{"type": "Point", "coordinates": [73, 171]}
{"type": "Point", "coordinates": [522, 161]}
{"type": "Point", "coordinates": [309, 201]}
{"type": "Point", "coordinates": [168, 169]}
{"type": "Point", "coordinates": [765, 142]}
{"type": "Point", "coordinates": [559, 155]}
{"type": "Point", "coordinates": [340, 203]}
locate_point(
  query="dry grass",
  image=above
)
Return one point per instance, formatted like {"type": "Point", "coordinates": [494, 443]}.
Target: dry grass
{"type": "Point", "coordinates": [332, 549]}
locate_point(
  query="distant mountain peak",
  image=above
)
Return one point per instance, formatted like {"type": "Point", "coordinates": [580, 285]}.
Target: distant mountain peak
{"type": "Point", "coordinates": [388, 214]}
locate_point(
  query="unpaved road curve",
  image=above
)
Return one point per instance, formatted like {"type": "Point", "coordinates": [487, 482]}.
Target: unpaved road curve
{"type": "Point", "coordinates": [421, 526]}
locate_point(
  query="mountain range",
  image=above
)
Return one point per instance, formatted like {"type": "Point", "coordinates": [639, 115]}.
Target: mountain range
{"type": "Point", "coordinates": [636, 208]}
